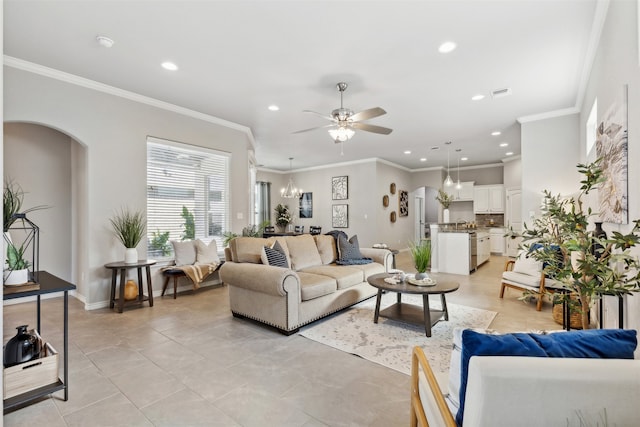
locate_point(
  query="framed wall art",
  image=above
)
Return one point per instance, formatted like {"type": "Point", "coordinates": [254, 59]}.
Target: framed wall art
{"type": "Point", "coordinates": [403, 200]}
{"type": "Point", "coordinates": [306, 205]}
{"type": "Point", "coordinates": [612, 148]}
{"type": "Point", "coordinates": [340, 216]}
{"type": "Point", "coordinates": [340, 187]}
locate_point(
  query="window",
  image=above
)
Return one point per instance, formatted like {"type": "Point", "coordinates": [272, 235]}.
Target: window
{"type": "Point", "coordinates": [187, 195]}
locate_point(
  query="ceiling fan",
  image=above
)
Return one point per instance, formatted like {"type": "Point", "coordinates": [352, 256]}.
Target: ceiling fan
{"type": "Point", "coordinates": [345, 120]}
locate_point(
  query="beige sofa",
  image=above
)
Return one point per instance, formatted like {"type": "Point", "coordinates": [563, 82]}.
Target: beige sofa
{"type": "Point", "coordinates": [312, 288]}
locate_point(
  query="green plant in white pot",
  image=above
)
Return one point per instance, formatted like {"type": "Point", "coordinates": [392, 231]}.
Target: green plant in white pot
{"type": "Point", "coordinates": [421, 254]}
{"type": "Point", "coordinates": [17, 272]}
{"type": "Point", "coordinates": [129, 227]}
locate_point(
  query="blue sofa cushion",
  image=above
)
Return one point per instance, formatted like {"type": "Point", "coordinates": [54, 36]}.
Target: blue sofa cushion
{"type": "Point", "coordinates": [595, 343]}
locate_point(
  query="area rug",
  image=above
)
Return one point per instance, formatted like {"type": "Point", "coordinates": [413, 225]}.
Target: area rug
{"type": "Point", "coordinates": [389, 342]}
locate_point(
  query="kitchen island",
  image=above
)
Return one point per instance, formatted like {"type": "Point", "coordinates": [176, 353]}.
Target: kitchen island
{"type": "Point", "coordinates": [461, 251]}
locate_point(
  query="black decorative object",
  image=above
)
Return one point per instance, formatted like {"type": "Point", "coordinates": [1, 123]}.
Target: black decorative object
{"type": "Point", "coordinates": [21, 348]}
{"type": "Point", "coordinates": [597, 248]}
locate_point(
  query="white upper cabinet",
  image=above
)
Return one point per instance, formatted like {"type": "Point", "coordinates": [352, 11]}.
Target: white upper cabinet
{"type": "Point", "coordinates": [464, 194]}
{"type": "Point", "coordinates": [488, 199]}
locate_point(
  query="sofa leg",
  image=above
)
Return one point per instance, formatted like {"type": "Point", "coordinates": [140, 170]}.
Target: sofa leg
{"type": "Point", "coordinates": [287, 333]}
{"type": "Point", "coordinates": [238, 316]}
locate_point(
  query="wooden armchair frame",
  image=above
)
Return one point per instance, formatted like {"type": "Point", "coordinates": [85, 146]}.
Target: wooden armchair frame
{"type": "Point", "coordinates": [540, 292]}
{"type": "Point", "coordinates": [418, 416]}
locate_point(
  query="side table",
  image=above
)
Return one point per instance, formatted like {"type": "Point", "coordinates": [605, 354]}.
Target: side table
{"type": "Point", "coordinates": [122, 267]}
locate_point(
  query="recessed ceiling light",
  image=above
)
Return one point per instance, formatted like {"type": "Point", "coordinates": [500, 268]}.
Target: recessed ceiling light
{"type": "Point", "coordinates": [447, 47]}
{"type": "Point", "coordinates": [273, 108]}
{"type": "Point", "coordinates": [435, 147]}
{"type": "Point", "coordinates": [104, 41]}
{"type": "Point", "coordinates": [424, 159]}
{"type": "Point", "coordinates": [509, 153]}
{"type": "Point", "coordinates": [477, 97]}
{"type": "Point", "coordinates": [496, 133]}
{"type": "Point", "coordinates": [464, 159]}
{"type": "Point", "coordinates": [504, 144]}
{"type": "Point", "coordinates": [169, 66]}
{"type": "Point", "coordinates": [407, 152]}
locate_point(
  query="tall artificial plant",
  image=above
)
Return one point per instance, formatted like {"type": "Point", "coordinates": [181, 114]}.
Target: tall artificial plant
{"type": "Point", "coordinates": [586, 266]}
{"type": "Point", "coordinates": [13, 198]}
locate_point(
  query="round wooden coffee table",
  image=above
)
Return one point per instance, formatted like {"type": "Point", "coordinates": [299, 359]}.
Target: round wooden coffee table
{"type": "Point", "coordinates": [412, 313]}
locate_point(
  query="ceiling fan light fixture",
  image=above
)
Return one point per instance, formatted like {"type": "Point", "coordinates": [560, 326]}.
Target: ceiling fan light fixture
{"type": "Point", "coordinates": [341, 134]}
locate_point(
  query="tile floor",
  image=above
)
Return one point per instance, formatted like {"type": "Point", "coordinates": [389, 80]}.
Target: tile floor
{"type": "Point", "coordinates": [188, 362]}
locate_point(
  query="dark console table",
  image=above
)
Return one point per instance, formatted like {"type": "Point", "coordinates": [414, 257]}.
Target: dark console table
{"type": "Point", "coordinates": [48, 284]}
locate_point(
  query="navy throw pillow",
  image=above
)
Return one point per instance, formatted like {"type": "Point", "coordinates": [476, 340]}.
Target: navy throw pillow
{"type": "Point", "coordinates": [594, 343]}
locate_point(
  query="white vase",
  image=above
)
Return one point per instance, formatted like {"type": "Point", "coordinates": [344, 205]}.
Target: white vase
{"type": "Point", "coordinates": [445, 216]}
{"type": "Point", "coordinates": [130, 255]}
{"type": "Point", "coordinates": [16, 277]}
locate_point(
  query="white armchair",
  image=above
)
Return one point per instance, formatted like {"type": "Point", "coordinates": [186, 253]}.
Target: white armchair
{"type": "Point", "coordinates": [525, 274]}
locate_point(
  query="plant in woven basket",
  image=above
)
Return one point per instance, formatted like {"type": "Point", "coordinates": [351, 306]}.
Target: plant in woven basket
{"type": "Point", "coordinates": [585, 265]}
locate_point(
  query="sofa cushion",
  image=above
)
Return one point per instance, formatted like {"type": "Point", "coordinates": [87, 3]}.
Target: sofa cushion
{"type": "Point", "coordinates": [521, 279]}
{"type": "Point", "coordinates": [274, 255]}
{"type": "Point", "coordinates": [185, 252]}
{"type": "Point", "coordinates": [368, 269]}
{"type": "Point", "coordinates": [315, 285]}
{"type": "Point", "coordinates": [248, 249]}
{"type": "Point", "coordinates": [594, 343]}
{"type": "Point", "coordinates": [326, 248]}
{"type": "Point", "coordinates": [206, 253]}
{"type": "Point", "coordinates": [303, 251]}
{"type": "Point", "coordinates": [345, 277]}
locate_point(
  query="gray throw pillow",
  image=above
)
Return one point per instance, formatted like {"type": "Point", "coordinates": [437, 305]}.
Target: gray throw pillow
{"type": "Point", "coordinates": [274, 256]}
{"type": "Point", "coordinates": [348, 249]}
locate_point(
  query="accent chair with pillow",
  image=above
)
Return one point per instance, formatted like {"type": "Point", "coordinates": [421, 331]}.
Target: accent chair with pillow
{"type": "Point", "coordinates": [559, 378]}
{"type": "Point", "coordinates": [525, 274]}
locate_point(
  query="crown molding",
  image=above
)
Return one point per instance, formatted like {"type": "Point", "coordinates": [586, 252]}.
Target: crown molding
{"type": "Point", "coordinates": [52, 73]}
{"type": "Point", "coordinates": [548, 115]}
{"type": "Point", "coordinates": [511, 158]}
{"type": "Point", "coordinates": [336, 165]}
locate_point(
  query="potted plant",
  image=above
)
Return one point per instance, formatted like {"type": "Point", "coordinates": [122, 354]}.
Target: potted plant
{"type": "Point", "coordinates": [445, 200]}
{"type": "Point", "coordinates": [421, 254]}
{"type": "Point", "coordinates": [17, 272]}
{"type": "Point", "coordinates": [129, 227]}
{"type": "Point", "coordinates": [585, 266]}
{"type": "Point", "coordinates": [283, 216]}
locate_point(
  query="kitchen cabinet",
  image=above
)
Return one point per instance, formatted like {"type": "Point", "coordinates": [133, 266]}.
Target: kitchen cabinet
{"type": "Point", "coordinates": [497, 240]}
{"type": "Point", "coordinates": [484, 247]}
{"type": "Point", "coordinates": [488, 199]}
{"type": "Point", "coordinates": [454, 253]}
{"type": "Point", "coordinates": [464, 194]}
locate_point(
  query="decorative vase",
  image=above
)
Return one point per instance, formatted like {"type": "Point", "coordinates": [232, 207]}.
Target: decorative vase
{"type": "Point", "coordinates": [445, 215]}
{"type": "Point", "coordinates": [421, 276]}
{"type": "Point", "coordinates": [130, 290]}
{"type": "Point", "coordinates": [130, 256]}
{"type": "Point", "coordinates": [16, 277]}
{"type": "Point", "coordinates": [21, 348]}
{"type": "Point", "coordinates": [597, 248]}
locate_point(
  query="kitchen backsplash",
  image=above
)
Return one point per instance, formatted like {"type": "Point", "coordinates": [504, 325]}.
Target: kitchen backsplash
{"type": "Point", "coordinates": [490, 220]}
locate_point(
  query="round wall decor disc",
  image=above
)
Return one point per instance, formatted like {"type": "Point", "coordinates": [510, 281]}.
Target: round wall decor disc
{"type": "Point", "coordinates": [392, 188]}
{"type": "Point", "coordinates": [385, 201]}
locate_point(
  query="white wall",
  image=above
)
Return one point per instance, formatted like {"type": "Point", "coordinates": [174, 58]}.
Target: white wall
{"type": "Point", "coordinates": [39, 160]}
{"type": "Point", "coordinates": [114, 130]}
{"type": "Point", "coordinates": [550, 153]}
{"type": "Point", "coordinates": [513, 173]}
{"type": "Point", "coordinates": [617, 63]}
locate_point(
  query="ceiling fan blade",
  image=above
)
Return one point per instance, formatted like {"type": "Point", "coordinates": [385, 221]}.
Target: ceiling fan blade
{"type": "Point", "coordinates": [368, 114]}
{"type": "Point", "coordinates": [372, 128]}
{"type": "Point", "coordinates": [317, 127]}
{"type": "Point", "coordinates": [324, 116]}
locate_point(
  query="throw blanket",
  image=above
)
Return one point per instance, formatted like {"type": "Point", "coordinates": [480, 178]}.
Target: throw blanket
{"type": "Point", "coordinates": [354, 261]}
{"type": "Point", "coordinates": [197, 272]}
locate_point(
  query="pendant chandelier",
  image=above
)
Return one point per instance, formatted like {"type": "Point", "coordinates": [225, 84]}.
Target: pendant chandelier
{"type": "Point", "coordinates": [290, 191]}
{"type": "Point", "coordinates": [458, 185]}
{"type": "Point", "coordinates": [448, 182]}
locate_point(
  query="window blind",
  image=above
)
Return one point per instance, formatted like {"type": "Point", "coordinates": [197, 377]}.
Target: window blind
{"type": "Point", "coordinates": [187, 195]}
